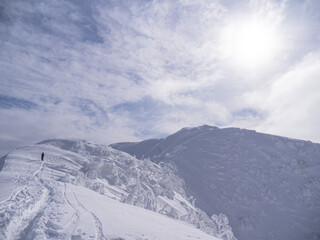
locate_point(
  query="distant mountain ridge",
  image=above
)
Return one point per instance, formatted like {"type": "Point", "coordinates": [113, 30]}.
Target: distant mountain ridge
{"type": "Point", "coordinates": [268, 186]}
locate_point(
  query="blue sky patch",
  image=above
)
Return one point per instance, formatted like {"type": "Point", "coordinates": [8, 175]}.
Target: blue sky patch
{"type": "Point", "coordinates": [8, 102]}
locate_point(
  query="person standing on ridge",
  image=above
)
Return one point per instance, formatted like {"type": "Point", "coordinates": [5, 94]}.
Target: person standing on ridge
{"type": "Point", "coordinates": [42, 156]}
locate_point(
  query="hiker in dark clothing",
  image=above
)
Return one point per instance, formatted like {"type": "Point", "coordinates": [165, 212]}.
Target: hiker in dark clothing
{"type": "Point", "coordinates": [42, 156]}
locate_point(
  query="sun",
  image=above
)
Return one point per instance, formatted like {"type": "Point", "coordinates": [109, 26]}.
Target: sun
{"type": "Point", "coordinates": [251, 43]}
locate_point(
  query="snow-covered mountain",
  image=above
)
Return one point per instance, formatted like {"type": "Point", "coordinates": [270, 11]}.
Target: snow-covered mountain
{"type": "Point", "coordinates": [84, 190]}
{"type": "Point", "coordinates": [268, 186]}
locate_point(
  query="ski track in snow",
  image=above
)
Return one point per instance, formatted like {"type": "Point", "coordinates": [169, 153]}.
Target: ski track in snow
{"type": "Point", "coordinates": [97, 222]}
{"type": "Point", "coordinates": [22, 208]}
{"type": "Point", "coordinates": [72, 225]}
{"type": "Point", "coordinates": [23, 214]}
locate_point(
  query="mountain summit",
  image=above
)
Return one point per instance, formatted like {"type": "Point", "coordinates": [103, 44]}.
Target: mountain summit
{"type": "Point", "coordinates": [268, 186]}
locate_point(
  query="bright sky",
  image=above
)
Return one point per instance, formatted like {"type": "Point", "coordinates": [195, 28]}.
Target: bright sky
{"type": "Point", "coordinates": [116, 70]}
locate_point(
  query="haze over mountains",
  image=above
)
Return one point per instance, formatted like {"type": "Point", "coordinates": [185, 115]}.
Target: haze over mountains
{"type": "Point", "coordinates": [268, 186]}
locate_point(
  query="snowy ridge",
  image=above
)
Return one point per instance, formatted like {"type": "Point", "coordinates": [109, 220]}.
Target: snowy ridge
{"type": "Point", "coordinates": [268, 186]}
{"type": "Point", "coordinates": [54, 199]}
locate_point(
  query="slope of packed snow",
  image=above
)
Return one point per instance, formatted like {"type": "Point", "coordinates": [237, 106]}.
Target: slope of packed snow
{"type": "Point", "coordinates": [268, 186]}
{"type": "Point", "coordinates": [138, 149]}
{"type": "Point", "coordinates": [87, 191]}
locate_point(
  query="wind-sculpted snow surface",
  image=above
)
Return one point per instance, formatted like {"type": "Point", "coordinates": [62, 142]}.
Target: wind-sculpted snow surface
{"type": "Point", "coordinates": [86, 191]}
{"type": "Point", "coordinates": [268, 186]}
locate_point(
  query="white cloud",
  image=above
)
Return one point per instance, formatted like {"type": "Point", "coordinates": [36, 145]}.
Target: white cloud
{"type": "Point", "coordinates": [162, 59]}
{"type": "Point", "coordinates": [292, 103]}
{"type": "Point", "coordinates": [50, 57]}
{"type": "Point", "coordinates": [271, 10]}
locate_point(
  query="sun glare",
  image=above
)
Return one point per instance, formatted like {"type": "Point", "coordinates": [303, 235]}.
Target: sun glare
{"type": "Point", "coordinates": [250, 43]}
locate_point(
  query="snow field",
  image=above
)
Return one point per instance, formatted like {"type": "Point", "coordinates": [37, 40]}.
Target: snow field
{"type": "Point", "coordinates": [82, 193]}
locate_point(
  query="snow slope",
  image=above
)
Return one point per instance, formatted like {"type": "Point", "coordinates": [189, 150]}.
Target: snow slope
{"type": "Point", "coordinates": [87, 191]}
{"type": "Point", "coordinates": [268, 186]}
